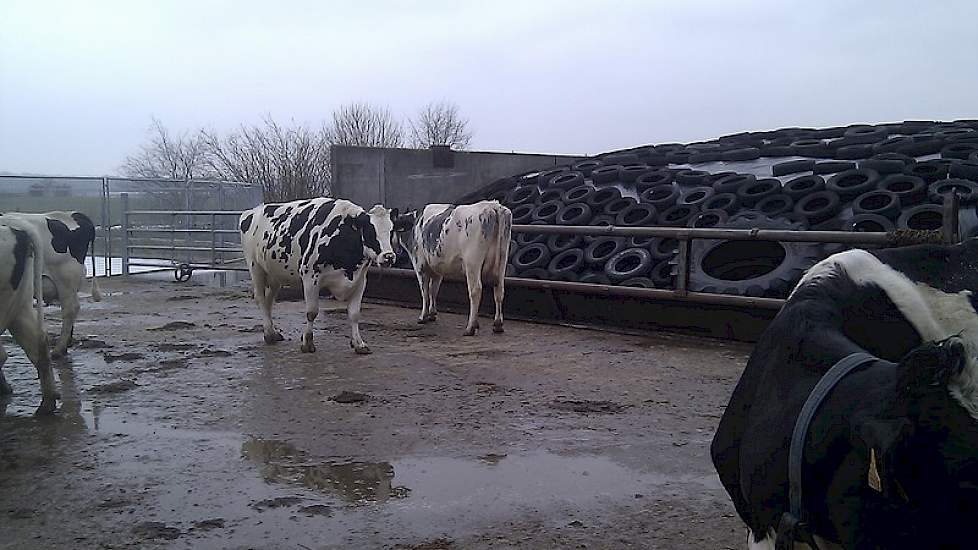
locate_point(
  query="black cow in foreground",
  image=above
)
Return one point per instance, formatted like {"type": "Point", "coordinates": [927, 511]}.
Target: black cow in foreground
{"type": "Point", "coordinates": [319, 243]}
{"type": "Point", "coordinates": [891, 457]}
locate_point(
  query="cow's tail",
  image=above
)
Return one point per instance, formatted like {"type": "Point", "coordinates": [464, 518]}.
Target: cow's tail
{"type": "Point", "coordinates": [96, 293]}
{"type": "Point", "coordinates": [504, 229]}
{"type": "Point", "coordinates": [38, 252]}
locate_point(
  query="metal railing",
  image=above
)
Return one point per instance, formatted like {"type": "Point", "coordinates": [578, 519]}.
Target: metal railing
{"type": "Point", "coordinates": [684, 235]}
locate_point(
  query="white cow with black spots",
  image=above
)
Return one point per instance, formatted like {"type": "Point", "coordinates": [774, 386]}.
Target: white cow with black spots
{"type": "Point", "coordinates": [65, 239]}
{"type": "Point", "coordinates": [21, 264]}
{"type": "Point", "coordinates": [321, 243]}
{"type": "Point", "coordinates": [469, 240]}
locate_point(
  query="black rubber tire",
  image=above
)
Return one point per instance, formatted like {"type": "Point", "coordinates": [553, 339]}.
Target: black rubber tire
{"type": "Point", "coordinates": [578, 213]}
{"type": "Point", "coordinates": [602, 197]}
{"type": "Point", "coordinates": [603, 248]}
{"type": "Point", "coordinates": [852, 183]}
{"type": "Point", "coordinates": [605, 174]}
{"type": "Point", "coordinates": [879, 202]}
{"type": "Point", "coordinates": [704, 156]}
{"type": "Point", "coordinates": [530, 256]}
{"type": "Point", "coordinates": [637, 282]}
{"type": "Point", "coordinates": [581, 193]}
{"type": "Point", "coordinates": [586, 166]}
{"type": "Point", "coordinates": [799, 187]}
{"type": "Point", "coordinates": [732, 183]}
{"type": "Point", "coordinates": [833, 166]}
{"type": "Point", "coordinates": [892, 144]}
{"type": "Point", "coordinates": [664, 248]}
{"type": "Point", "coordinates": [628, 263]}
{"type": "Point", "coordinates": [907, 161]}
{"type": "Point", "coordinates": [809, 148]}
{"type": "Point", "coordinates": [712, 178]}
{"type": "Point", "coordinates": [549, 195]}
{"type": "Point", "coordinates": [960, 150]}
{"type": "Point", "coordinates": [777, 151]}
{"type": "Point", "coordinates": [818, 206]}
{"type": "Point", "coordinates": [929, 170]}
{"type": "Point", "coordinates": [543, 179]}
{"type": "Point", "coordinates": [615, 207]}
{"type": "Point", "coordinates": [637, 215]}
{"type": "Point", "coordinates": [559, 243]}
{"type": "Point", "coordinates": [792, 167]}
{"type": "Point", "coordinates": [653, 178]}
{"type": "Point", "coordinates": [660, 196]}
{"type": "Point", "coordinates": [775, 205]}
{"type": "Point", "coordinates": [696, 196]}
{"type": "Point", "coordinates": [709, 218]}
{"type": "Point", "coordinates": [921, 148]}
{"type": "Point", "coordinates": [692, 177]}
{"type": "Point", "coordinates": [746, 153]}
{"type": "Point", "coordinates": [760, 268]}
{"type": "Point", "coordinates": [965, 169]}
{"type": "Point", "coordinates": [629, 174]}
{"type": "Point", "coordinates": [751, 193]}
{"type": "Point", "coordinates": [594, 278]}
{"type": "Point", "coordinates": [526, 194]}
{"type": "Point", "coordinates": [524, 239]}
{"type": "Point", "coordinates": [601, 220]}
{"type": "Point", "coordinates": [566, 180]}
{"type": "Point", "coordinates": [523, 213]}
{"type": "Point", "coordinates": [868, 223]}
{"type": "Point", "coordinates": [547, 212]}
{"type": "Point", "coordinates": [678, 215]}
{"type": "Point", "coordinates": [534, 273]}
{"type": "Point", "coordinates": [909, 189]}
{"type": "Point", "coordinates": [621, 159]}
{"type": "Point", "coordinates": [640, 242]}
{"type": "Point", "coordinates": [861, 134]}
{"type": "Point", "coordinates": [728, 202]}
{"type": "Point", "coordinates": [501, 195]}
{"type": "Point", "coordinates": [678, 158]}
{"type": "Point", "coordinates": [854, 152]}
{"type": "Point", "coordinates": [883, 167]}
{"type": "Point", "coordinates": [967, 190]}
{"type": "Point", "coordinates": [661, 274]}
{"type": "Point", "coordinates": [565, 263]}
{"type": "Point", "coordinates": [922, 217]}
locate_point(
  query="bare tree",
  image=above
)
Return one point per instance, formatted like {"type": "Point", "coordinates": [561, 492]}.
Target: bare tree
{"type": "Point", "coordinates": [168, 156]}
{"type": "Point", "coordinates": [364, 125]}
{"type": "Point", "coordinates": [289, 162]}
{"type": "Point", "coordinates": [439, 123]}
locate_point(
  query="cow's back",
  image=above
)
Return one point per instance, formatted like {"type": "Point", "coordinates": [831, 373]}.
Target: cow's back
{"type": "Point", "coordinates": [65, 235]}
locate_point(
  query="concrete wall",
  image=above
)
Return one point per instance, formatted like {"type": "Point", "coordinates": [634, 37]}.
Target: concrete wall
{"type": "Point", "coordinates": [409, 178]}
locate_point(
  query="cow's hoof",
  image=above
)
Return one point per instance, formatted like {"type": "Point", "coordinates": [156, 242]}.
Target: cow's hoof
{"type": "Point", "coordinates": [58, 353]}
{"type": "Point", "coordinates": [423, 320]}
{"type": "Point", "coordinates": [274, 337]}
{"type": "Point", "coordinates": [362, 350]}
{"type": "Point", "coordinates": [469, 332]}
{"type": "Point", "coordinates": [47, 407]}
{"type": "Point", "coordinates": [498, 328]}
{"type": "Point", "coordinates": [308, 348]}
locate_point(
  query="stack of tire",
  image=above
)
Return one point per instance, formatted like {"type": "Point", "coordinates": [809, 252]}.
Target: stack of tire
{"type": "Point", "coordinates": [856, 178]}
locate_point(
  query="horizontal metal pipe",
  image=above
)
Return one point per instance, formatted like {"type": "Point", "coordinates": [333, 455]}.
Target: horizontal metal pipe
{"type": "Point", "coordinates": [184, 212]}
{"type": "Point", "coordinates": [192, 265]}
{"type": "Point", "coordinates": [847, 237]}
{"type": "Point", "coordinates": [172, 230]}
{"type": "Point", "coordinates": [183, 248]}
{"type": "Point", "coordinates": [623, 291]}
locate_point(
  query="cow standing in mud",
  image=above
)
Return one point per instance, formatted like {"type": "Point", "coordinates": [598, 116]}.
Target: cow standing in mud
{"type": "Point", "coordinates": [66, 238]}
{"type": "Point", "coordinates": [890, 457]}
{"type": "Point", "coordinates": [449, 240]}
{"type": "Point", "coordinates": [21, 264]}
{"type": "Point", "coordinates": [321, 243]}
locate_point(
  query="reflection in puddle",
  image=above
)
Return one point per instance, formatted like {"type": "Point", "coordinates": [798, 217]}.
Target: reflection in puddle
{"type": "Point", "coordinates": [356, 482]}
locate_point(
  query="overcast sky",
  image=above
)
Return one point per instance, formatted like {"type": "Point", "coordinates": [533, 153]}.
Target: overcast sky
{"type": "Point", "coordinates": [79, 80]}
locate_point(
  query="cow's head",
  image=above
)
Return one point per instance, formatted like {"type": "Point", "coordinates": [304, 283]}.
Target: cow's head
{"type": "Point", "coordinates": [404, 231]}
{"type": "Point", "coordinates": [926, 441]}
{"type": "Point", "coordinates": [377, 229]}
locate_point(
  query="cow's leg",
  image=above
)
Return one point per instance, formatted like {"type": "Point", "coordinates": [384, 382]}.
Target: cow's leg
{"type": "Point", "coordinates": [353, 312]}
{"type": "Point", "coordinates": [5, 388]}
{"type": "Point", "coordinates": [69, 313]}
{"type": "Point", "coordinates": [434, 285]}
{"type": "Point", "coordinates": [270, 294]}
{"type": "Point", "coordinates": [423, 282]}
{"type": "Point", "coordinates": [473, 278]}
{"type": "Point", "coordinates": [310, 291]}
{"type": "Point", "coordinates": [264, 297]}
{"type": "Point", "coordinates": [29, 334]}
{"type": "Point", "coordinates": [497, 295]}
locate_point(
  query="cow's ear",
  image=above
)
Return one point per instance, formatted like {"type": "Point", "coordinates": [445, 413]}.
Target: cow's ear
{"type": "Point", "coordinates": [394, 214]}
{"type": "Point", "coordinates": [404, 223]}
{"type": "Point", "coordinates": [361, 221]}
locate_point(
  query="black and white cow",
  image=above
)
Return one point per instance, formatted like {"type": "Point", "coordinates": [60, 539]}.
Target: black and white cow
{"type": "Point", "coordinates": [321, 243]}
{"type": "Point", "coordinates": [910, 419]}
{"type": "Point", "coordinates": [470, 240]}
{"type": "Point", "coordinates": [67, 237]}
{"type": "Point", "coordinates": [21, 264]}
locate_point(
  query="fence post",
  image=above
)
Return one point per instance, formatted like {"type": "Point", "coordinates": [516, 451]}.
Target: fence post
{"type": "Point", "coordinates": [682, 275]}
{"type": "Point", "coordinates": [950, 215]}
{"type": "Point", "coordinates": [125, 233]}
{"type": "Point", "coordinates": [106, 232]}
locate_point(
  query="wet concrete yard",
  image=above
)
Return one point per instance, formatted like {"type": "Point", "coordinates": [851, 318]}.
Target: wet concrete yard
{"type": "Point", "coordinates": [180, 428]}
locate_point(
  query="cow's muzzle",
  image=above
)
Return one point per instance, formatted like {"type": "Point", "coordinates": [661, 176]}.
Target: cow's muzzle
{"type": "Point", "coordinates": [387, 259]}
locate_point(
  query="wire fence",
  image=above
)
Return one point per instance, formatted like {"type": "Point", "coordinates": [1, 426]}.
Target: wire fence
{"type": "Point", "coordinates": [101, 199]}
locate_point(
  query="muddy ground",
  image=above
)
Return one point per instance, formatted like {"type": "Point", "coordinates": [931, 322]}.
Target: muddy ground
{"type": "Point", "coordinates": [180, 428]}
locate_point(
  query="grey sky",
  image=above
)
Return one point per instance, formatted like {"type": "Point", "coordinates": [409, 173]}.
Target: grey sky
{"type": "Point", "coordinates": [79, 81]}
